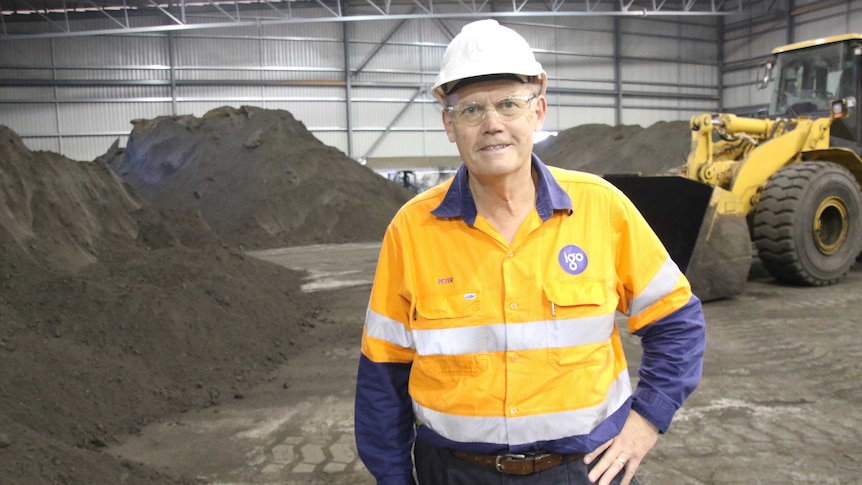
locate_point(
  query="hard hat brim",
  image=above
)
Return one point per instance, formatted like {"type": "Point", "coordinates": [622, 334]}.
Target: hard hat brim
{"type": "Point", "coordinates": [450, 87]}
{"type": "Point", "coordinates": [444, 90]}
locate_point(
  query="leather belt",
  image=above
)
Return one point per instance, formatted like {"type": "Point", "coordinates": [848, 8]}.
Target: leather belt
{"type": "Point", "coordinates": [518, 463]}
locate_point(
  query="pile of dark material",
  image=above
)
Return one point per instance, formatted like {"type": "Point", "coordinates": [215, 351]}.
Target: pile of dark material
{"type": "Point", "coordinates": [257, 177]}
{"type": "Point", "coordinates": [121, 306]}
{"type": "Point", "coordinates": [603, 149]}
{"type": "Point", "coordinates": [125, 294]}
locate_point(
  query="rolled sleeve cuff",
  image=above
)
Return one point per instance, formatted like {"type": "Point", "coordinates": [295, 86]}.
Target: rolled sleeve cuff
{"type": "Point", "coordinates": [654, 408]}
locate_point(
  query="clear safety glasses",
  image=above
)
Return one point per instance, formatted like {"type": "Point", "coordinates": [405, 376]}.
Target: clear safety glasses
{"type": "Point", "coordinates": [507, 109]}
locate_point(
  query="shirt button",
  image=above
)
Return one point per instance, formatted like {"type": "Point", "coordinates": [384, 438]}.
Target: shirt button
{"type": "Point", "coordinates": [515, 358]}
{"type": "Point", "coordinates": [514, 410]}
{"type": "Point", "coordinates": [511, 255]}
{"type": "Point", "coordinates": [513, 306]}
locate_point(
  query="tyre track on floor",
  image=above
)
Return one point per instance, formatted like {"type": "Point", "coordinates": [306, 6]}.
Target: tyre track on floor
{"type": "Point", "coordinates": [779, 391]}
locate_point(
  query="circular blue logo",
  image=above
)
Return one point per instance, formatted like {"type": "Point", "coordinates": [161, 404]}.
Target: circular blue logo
{"type": "Point", "coordinates": [573, 259]}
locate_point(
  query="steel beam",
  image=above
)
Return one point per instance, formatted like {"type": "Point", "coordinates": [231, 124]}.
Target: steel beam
{"type": "Point", "coordinates": [20, 12]}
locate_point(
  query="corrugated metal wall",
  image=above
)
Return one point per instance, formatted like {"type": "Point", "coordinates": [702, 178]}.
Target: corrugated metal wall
{"type": "Point", "coordinates": [88, 89]}
{"type": "Point", "coordinates": [79, 94]}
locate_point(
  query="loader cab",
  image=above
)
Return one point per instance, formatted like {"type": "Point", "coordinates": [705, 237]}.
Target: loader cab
{"type": "Point", "coordinates": [808, 76]}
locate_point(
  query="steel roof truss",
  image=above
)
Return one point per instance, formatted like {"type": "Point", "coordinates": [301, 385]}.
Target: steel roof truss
{"type": "Point", "coordinates": [383, 11]}
{"type": "Point", "coordinates": [60, 16]}
{"type": "Point", "coordinates": [280, 12]}
{"type": "Point", "coordinates": [472, 6]}
{"type": "Point", "coordinates": [326, 7]}
{"type": "Point", "coordinates": [216, 5]}
{"type": "Point", "coordinates": [555, 5]}
{"type": "Point", "coordinates": [429, 9]}
{"type": "Point", "coordinates": [99, 8]}
{"type": "Point", "coordinates": [168, 14]}
{"type": "Point", "coordinates": [46, 17]}
{"type": "Point", "coordinates": [594, 6]}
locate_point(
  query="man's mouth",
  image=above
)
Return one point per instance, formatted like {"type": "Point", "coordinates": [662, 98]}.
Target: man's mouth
{"type": "Point", "coordinates": [494, 148]}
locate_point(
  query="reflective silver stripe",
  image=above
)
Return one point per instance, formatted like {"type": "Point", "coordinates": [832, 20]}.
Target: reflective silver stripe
{"type": "Point", "coordinates": [527, 429]}
{"type": "Point", "coordinates": [385, 328]}
{"type": "Point", "coordinates": [661, 285]}
{"type": "Point", "coordinates": [521, 336]}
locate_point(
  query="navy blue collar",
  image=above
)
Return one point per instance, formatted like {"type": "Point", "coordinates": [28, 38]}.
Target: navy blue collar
{"type": "Point", "coordinates": [458, 201]}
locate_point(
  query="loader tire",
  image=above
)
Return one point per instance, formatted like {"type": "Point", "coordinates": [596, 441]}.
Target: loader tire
{"type": "Point", "coordinates": [807, 226]}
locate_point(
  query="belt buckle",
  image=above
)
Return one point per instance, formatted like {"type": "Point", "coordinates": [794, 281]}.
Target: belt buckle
{"type": "Point", "coordinates": [516, 457]}
{"type": "Point", "coordinates": [510, 456]}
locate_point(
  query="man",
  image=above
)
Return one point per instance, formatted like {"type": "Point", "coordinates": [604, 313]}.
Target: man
{"type": "Point", "coordinates": [490, 348]}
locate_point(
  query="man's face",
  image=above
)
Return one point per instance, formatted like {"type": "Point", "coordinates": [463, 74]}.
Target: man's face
{"type": "Point", "coordinates": [495, 147]}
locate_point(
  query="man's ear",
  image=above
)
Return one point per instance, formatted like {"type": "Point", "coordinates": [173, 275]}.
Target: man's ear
{"type": "Point", "coordinates": [541, 111]}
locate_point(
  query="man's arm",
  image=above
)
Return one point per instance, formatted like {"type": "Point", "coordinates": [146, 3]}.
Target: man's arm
{"type": "Point", "coordinates": [669, 320]}
{"type": "Point", "coordinates": [672, 363]}
{"type": "Point", "coordinates": [384, 421]}
{"type": "Point", "coordinates": [671, 368]}
{"type": "Point", "coordinates": [663, 312]}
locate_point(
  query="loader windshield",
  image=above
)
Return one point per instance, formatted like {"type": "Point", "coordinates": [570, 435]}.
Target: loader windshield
{"type": "Point", "coordinates": [809, 78]}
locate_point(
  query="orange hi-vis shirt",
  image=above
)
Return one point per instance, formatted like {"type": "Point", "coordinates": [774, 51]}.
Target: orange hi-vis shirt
{"type": "Point", "coordinates": [514, 344]}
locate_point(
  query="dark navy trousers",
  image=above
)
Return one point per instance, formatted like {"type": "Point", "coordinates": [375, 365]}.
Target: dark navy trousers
{"type": "Point", "coordinates": [438, 466]}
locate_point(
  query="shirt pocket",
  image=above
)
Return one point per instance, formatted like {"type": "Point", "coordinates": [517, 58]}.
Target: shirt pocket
{"type": "Point", "coordinates": [443, 367]}
{"type": "Point", "coordinates": [576, 300]}
{"type": "Point", "coordinates": [436, 320]}
{"type": "Point", "coordinates": [580, 324]}
{"type": "Point", "coordinates": [446, 310]}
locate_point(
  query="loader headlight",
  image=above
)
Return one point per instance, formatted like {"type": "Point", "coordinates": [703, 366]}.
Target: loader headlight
{"type": "Point", "coordinates": [841, 107]}
{"type": "Point", "coordinates": [838, 109]}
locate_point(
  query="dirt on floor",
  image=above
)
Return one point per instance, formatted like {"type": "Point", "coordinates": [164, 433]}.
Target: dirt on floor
{"type": "Point", "coordinates": [126, 294]}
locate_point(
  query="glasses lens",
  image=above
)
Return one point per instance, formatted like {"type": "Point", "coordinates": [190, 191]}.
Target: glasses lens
{"type": "Point", "coordinates": [512, 107]}
{"type": "Point", "coordinates": [507, 109]}
{"type": "Point", "coordinates": [469, 113]}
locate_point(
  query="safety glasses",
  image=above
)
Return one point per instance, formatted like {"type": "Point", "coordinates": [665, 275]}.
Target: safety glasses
{"type": "Point", "coordinates": [507, 109]}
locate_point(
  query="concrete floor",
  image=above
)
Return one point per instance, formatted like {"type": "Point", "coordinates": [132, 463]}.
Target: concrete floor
{"type": "Point", "coordinates": [779, 402]}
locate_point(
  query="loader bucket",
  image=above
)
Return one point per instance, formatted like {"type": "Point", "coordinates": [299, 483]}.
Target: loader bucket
{"type": "Point", "coordinates": [702, 227]}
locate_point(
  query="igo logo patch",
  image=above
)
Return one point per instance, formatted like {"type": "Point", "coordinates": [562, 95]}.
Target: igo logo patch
{"type": "Point", "coordinates": [573, 259]}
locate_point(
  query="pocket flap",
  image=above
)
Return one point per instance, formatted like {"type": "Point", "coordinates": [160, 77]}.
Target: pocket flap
{"type": "Point", "coordinates": [448, 306]}
{"type": "Point", "coordinates": [576, 294]}
{"type": "Point", "coordinates": [453, 365]}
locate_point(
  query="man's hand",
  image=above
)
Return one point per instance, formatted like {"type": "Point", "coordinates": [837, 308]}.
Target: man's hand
{"type": "Point", "coordinates": [624, 452]}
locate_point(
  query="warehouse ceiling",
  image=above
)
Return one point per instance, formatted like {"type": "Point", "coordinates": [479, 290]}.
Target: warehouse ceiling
{"type": "Point", "coordinates": [55, 18]}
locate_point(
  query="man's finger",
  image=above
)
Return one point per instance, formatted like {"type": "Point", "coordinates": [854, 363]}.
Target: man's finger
{"type": "Point", "coordinates": [629, 474]}
{"type": "Point", "coordinates": [597, 452]}
{"type": "Point", "coordinates": [608, 467]}
{"type": "Point", "coordinates": [629, 471]}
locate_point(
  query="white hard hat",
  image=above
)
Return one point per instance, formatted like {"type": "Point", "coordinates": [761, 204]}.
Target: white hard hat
{"type": "Point", "coordinates": [486, 48]}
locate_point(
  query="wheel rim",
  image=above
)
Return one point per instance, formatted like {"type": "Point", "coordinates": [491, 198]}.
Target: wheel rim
{"type": "Point", "coordinates": [831, 225]}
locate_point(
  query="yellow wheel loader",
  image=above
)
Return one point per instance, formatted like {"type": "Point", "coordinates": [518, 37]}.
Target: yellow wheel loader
{"type": "Point", "coordinates": [788, 182]}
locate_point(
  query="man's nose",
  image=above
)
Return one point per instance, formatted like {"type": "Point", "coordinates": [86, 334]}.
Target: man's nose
{"type": "Point", "coordinates": [494, 120]}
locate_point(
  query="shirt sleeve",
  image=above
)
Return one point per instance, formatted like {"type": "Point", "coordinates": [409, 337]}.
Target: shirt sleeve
{"type": "Point", "coordinates": [672, 363]}
{"type": "Point", "coordinates": [384, 420]}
